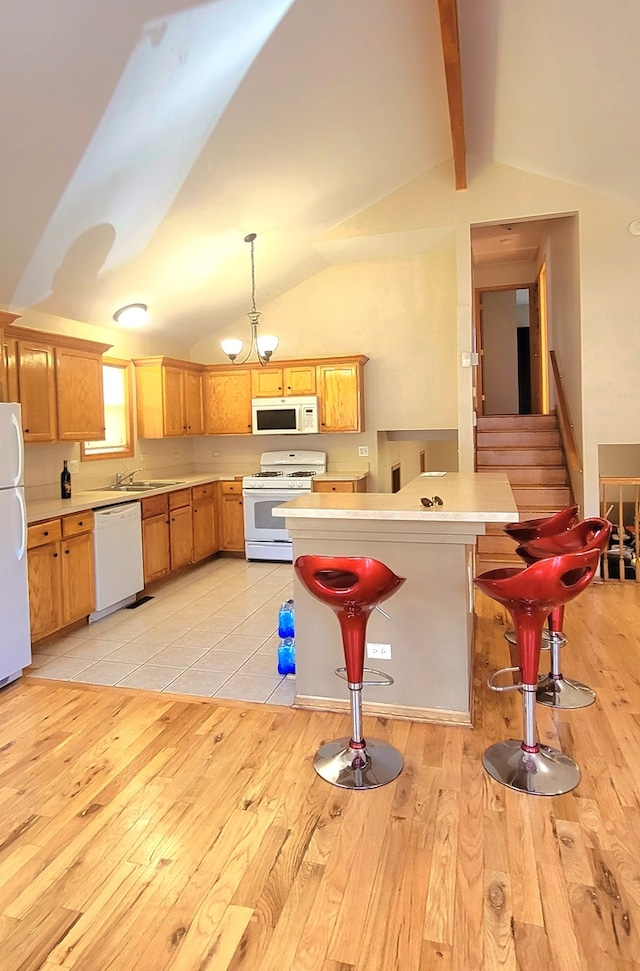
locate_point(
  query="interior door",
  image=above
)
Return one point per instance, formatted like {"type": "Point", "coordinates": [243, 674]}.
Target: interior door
{"type": "Point", "coordinates": [501, 318]}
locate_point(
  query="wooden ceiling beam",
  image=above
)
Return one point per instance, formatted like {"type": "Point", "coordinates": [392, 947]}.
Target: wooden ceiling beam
{"type": "Point", "coordinates": [453, 73]}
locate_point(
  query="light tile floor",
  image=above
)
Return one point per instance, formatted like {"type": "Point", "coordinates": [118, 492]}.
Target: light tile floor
{"type": "Point", "coordinates": [212, 632]}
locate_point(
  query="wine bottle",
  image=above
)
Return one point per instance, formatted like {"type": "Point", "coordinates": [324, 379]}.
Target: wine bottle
{"type": "Point", "coordinates": [65, 482]}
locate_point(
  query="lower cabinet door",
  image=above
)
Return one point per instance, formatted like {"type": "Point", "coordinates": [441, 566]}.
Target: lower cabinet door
{"type": "Point", "coordinates": [204, 530]}
{"type": "Point", "coordinates": [181, 537]}
{"type": "Point", "coordinates": [78, 590]}
{"type": "Point", "coordinates": [45, 590]}
{"type": "Point", "coordinates": [155, 547]}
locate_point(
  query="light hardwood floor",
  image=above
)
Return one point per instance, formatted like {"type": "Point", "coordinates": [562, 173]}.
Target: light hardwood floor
{"type": "Point", "coordinates": [146, 831]}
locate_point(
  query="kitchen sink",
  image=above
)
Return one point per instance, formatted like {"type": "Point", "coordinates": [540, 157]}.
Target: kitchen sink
{"type": "Point", "coordinates": [145, 486]}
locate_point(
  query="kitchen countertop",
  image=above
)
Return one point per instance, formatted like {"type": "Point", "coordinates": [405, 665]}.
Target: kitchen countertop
{"type": "Point", "coordinates": [340, 476]}
{"type": "Point", "coordinates": [39, 509]}
{"type": "Point", "coordinates": [468, 497]}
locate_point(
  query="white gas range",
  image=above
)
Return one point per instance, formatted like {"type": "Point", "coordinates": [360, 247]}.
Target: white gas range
{"type": "Point", "coordinates": [283, 475]}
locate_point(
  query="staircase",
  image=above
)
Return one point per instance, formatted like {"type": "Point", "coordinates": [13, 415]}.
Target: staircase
{"type": "Point", "coordinates": [528, 449]}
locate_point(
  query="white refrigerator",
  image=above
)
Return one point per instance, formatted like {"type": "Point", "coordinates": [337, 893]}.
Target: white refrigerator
{"type": "Point", "coordinates": [15, 637]}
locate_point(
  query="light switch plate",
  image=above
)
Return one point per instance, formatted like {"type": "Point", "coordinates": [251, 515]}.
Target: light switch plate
{"type": "Point", "coordinates": [363, 451]}
{"type": "Point", "coordinates": [73, 465]}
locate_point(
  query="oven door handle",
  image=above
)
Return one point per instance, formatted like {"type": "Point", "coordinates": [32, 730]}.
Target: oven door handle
{"type": "Point", "coordinates": [281, 494]}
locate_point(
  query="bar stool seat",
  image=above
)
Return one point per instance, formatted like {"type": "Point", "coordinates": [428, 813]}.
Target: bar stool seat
{"type": "Point", "coordinates": [530, 594]}
{"type": "Point", "coordinates": [590, 534]}
{"type": "Point", "coordinates": [353, 586]}
{"type": "Point", "coordinates": [531, 529]}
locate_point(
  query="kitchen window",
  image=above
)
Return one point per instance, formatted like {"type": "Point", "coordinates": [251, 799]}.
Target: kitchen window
{"type": "Point", "coordinates": [118, 440]}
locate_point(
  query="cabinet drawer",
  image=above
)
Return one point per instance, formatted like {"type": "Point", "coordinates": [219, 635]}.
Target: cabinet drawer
{"type": "Point", "coordinates": [179, 498]}
{"type": "Point", "coordinates": [80, 523]}
{"type": "Point", "coordinates": [155, 506]}
{"type": "Point", "coordinates": [198, 493]}
{"type": "Point", "coordinates": [333, 487]}
{"type": "Point", "coordinates": [41, 533]}
{"type": "Point", "coordinates": [232, 488]}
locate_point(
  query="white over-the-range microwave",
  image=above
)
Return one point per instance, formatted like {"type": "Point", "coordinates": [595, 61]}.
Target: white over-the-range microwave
{"type": "Point", "coordinates": [284, 416]}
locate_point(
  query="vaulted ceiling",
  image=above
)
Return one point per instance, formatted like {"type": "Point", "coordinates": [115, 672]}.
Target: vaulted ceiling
{"type": "Point", "coordinates": [143, 139]}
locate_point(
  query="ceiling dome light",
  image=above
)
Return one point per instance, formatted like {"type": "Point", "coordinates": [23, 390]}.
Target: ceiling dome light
{"type": "Point", "coordinates": [133, 315]}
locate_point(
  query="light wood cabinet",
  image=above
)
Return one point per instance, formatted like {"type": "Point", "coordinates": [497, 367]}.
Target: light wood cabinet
{"type": "Point", "coordinates": [79, 395]}
{"type": "Point", "coordinates": [37, 390]}
{"type": "Point", "coordinates": [205, 540]}
{"type": "Point", "coordinates": [8, 373]}
{"type": "Point", "coordinates": [228, 401]}
{"type": "Point", "coordinates": [58, 382]}
{"type": "Point", "coordinates": [156, 552]}
{"type": "Point", "coordinates": [338, 382]}
{"type": "Point", "coordinates": [267, 382]}
{"type": "Point", "coordinates": [281, 382]}
{"type": "Point", "coordinates": [61, 578]}
{"type": "Point", "coordinates": [340, 485]}
{"type": "Point", "coordinates": [231, 517]}
{"type": "Point", "coordinates": [180, 528]}
{"type": "Point", "coordinates": [300, 379]}
{"type": "Point", "coordinates": [167, 533]}
{"type": "Point", "coordinates": [169, 397]}
{"type": "Point", "coordinates": [340, 390]}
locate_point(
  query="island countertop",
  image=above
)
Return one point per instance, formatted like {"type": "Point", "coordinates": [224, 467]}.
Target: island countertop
{"type": "Point", "coordinates": [467, 497]}
{"type": "Point", "coordinates": [429, 629]}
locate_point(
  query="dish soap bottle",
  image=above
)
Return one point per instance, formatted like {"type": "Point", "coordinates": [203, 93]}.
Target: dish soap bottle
{"type": "Point", "coordinates": [65, 482]}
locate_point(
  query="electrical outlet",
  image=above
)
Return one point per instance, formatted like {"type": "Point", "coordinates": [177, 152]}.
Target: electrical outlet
{"type": "Point", "coordinates": [73, 465]}
{"type": "Point", "coordinates": [380, 651]}
{"type": "Point", "coordinates": [363, 451]}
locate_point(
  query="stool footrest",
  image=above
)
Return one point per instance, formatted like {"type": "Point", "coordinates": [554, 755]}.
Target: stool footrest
{"type": "Point", "coordinates": [382, 678]}
{"type": "Point", "coordinates": [503, 687]}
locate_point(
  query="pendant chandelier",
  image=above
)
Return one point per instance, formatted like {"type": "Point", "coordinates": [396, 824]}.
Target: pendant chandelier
{"type": "Point", "coordinates": [263, 346]}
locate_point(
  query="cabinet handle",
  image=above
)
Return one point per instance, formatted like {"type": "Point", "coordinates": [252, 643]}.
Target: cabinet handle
{"type": "Point", "coordinates": [67, 552]}
{"type": "Point", "coordinates": [26, 431]}
{"type": "Point", "coordinates": [46, 532]}
{"type": "Point", "coordinates": [55, 555]}
{"type": "Point", "coordinates": [81, 522]}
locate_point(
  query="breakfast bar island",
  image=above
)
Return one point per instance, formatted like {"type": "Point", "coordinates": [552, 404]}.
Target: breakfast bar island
{"type": "Point", "coordinates": [430, 630]}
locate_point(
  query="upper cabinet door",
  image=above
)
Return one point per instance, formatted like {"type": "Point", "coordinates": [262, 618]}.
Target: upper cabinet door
{"type": "Point", "coordinates": [228, 402]}
{"type": "Point", "coordinates": [339, 388]}
{"type": "Point", "coordinates": [80, 396]}
{"type": "Point", "coordinates": [300, 379]}
{"type": "Point", "coordinates": [173, 401]}
{"type": "Point", "coordinates": [193, 402]}
{"type": "Point", "coordinates": [37, 383]}
{"type": "Point", "coordinates": [266, 382]}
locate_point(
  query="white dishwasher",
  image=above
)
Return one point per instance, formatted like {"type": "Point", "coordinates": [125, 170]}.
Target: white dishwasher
{"type": "Point", "coordinates": [117, 547]}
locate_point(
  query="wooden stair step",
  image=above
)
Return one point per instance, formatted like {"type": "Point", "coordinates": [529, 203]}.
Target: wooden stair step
{"type": "Point", "coordinates": [534, 474]}
{"type": "Point", "coordinates": [518, 438]}
{"type": "Point", "coordinates": [488, 458]}
{"type": "Point", "coordinates": [559, 496]}
{"type": "Point", "coordinates": [496, 545]}
{"type": "Point", "coordinates": [494, 422]}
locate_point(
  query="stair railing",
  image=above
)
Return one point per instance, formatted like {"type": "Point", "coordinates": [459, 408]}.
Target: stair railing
{"type": "Point", "coordinates": [621, 561]}
{"type": "Point", "coordinates": [566, 426]}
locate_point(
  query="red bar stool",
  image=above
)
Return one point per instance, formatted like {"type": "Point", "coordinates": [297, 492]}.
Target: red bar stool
{"type": "Point", "coordinates": [590, 534]}
{"type": "Point", "coordinates": [530, 594]}
{"type": "Point", "coordinates": [531, 529]}
{"type": "Point", "coordinates": [353, 586]}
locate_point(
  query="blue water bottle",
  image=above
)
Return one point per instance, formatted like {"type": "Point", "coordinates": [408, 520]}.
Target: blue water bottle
{"type": "Point", "coordinates": [286, 656]}
{"type": "Point", "coordinates": [285, 620]}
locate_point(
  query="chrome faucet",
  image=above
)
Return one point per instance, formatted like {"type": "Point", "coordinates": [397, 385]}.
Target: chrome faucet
{"type": "Point", "coordinates": [121, 476]}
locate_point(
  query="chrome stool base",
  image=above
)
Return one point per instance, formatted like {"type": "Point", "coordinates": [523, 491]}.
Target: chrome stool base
{"type": "Point", "coordinates": [547, 772]}
{"type": "Point", "coordinates": [549, 639]}
{"type": "Point", "coordinates": [375, 765]}
{"type": "Point", "coordinates": [564, 693]}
